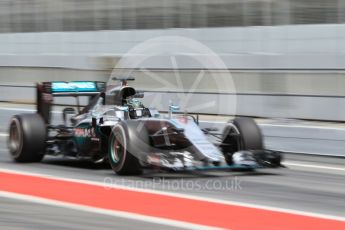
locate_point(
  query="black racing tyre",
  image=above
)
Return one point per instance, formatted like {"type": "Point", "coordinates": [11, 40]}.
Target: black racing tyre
{"type": "Point", "coordinates": [121, 158]}
{"type": "Point", "coordinates": [242, 134]}
{"type": "Point", "coordinates": [27, 136]}
{"type": "Point", "coordinates": [251, 137]}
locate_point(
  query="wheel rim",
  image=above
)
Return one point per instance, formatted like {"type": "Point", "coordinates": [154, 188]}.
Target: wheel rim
{"type": "Point", "coordinates": [117, 149]}
{"type": "Point", "coordinates": [15, 138]}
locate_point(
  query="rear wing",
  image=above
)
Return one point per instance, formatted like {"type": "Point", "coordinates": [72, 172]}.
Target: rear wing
{"type": "Point", "coordinates": [74, 88]}
{"type": "Point", "coordinates": [46, 91]}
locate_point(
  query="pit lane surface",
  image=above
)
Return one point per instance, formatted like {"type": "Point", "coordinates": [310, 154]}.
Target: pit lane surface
{"type": "Point", "coordinates": [18, 214]}
{"type": "Point", "coordinates": [312, 184]}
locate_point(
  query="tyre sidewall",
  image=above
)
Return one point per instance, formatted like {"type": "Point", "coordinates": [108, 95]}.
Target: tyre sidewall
{"type": "Point", "coordinates": [16, 123]}
{"type": "Point", "coordinates": [32, 135]}
{"type": "Point", "coordinates": [250, 134]}
{"type": "Point", "coordinates": [118, 133]}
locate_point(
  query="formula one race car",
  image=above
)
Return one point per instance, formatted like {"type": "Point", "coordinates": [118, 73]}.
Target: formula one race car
{"type": "Point", "coordinates": [116, 127]}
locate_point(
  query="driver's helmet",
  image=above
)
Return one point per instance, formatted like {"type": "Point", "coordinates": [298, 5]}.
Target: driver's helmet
{"type": "Point", "coordinates": [137, 109]}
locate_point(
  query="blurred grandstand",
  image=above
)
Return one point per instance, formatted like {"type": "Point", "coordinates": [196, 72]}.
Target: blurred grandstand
{"type": "Point", "coordinates": [88, 15]}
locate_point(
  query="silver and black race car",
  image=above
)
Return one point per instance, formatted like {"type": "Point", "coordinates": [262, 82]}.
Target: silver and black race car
{"type": "Point", "coordinates": [116, 127]}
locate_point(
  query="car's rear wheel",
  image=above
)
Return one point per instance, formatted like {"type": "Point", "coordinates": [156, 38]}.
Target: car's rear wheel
{"type": "Point", "coordinates": [26, 139]}
{"type": "Point", "coordinates": [121, 160]}
{"type": "Point", "coordinates": [241, 134]}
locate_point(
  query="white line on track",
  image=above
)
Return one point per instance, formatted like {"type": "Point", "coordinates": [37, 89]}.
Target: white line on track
{"type": "Point", "coordinates": [17, 109]}
{"type": "Point", "coordinates": [307, 153]}
{"type": "Point", "coordinates": [23, 110]}
{"type": "Point", "coordinates": [303, 126]}
{"type": "Point", "coordinates": [307, 126]}
{"type": "Point", "coordinates": [291, 163]}
{"type": "Point", "coordinates": [121, 214]}
{"type": "Point", "coordinates": [185, 196]}
{"type": "Point", "coordinates": [3, 135]}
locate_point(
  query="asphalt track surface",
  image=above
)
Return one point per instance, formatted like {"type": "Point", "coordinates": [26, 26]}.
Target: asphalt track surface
{"type": "Point", "coordinates": [18, 214]}
{"type": "Point", "coordinates": [308, 183]}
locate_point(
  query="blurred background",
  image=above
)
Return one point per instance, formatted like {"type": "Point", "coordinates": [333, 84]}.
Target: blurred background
{"type": "Point", "coordinates": [286, 57]}
{"type": "Point", "coordinates": [90, 15]}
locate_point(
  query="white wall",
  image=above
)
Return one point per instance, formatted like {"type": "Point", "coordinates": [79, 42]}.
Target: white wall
{"type": "Point", "coordinates": [283, 47]}
{"type": "Point", "coordinates": [284, 71]}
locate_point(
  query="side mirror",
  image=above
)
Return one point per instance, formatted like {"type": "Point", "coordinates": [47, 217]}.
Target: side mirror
{"type": "Point", "coordinates": [174, 108]}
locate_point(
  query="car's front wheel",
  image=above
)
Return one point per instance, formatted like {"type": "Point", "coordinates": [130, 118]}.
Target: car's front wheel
{"type": "Point", "coordinates": [121, 160]}
{"type": "Point", "coordinates": [241, 134]}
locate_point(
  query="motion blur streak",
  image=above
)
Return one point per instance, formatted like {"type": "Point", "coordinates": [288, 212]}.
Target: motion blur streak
{"type": "Point", "coordinates": [150, 204]}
